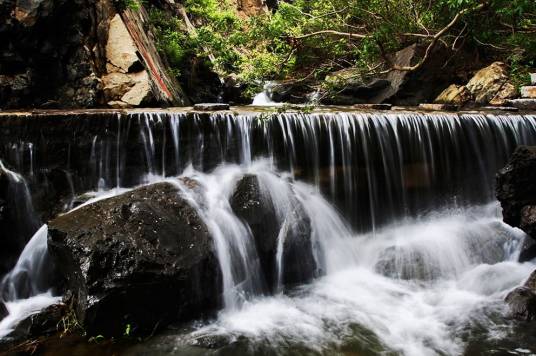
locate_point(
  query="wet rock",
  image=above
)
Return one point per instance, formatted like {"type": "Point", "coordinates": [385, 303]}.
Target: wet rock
{"type": "Point", "coordinates": [144, 258]}
{"type": "Point", "coordinates": [528, 250]}
{"type": "Point", "coordinates": [528, 220]}
{"type": "Point", "coordinates": [454, 95]}
{"type": "Point", "coordinates": [491, 85]}
{"type": "Point", "coordinates": [44, 322]}
{"type": "Point", "coordinates": [411, 266]}
{"type": "Point", "coordinates": [299, 265]}
{"type": "Point", "coordinates": [211, 107]}
{"type": "Point", "coordinates": [531, 282]}
{"type": "Point", "coordinates": [522, 303]}
{"type": "Point", "coordinates": [3, 310]}
{"type": "Point", "coordinates": [516, 188]}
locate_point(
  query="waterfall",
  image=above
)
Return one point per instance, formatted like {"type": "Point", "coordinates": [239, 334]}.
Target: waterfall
{"type": "Point", "coordinates": [18, 218]}
{"type": "Point", "coordinates": [26, 279]}
{"type": "Point", "coordinates": [264, 98]}
{"type": "Point", "coordinates": [25, 290]}
{"type": "Point", "coordinates": [405, 232]}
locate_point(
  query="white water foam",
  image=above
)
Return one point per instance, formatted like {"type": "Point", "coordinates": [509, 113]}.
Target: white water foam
{"type": "Point", "coordinates": [264, 97]}
{"type": "Point", "coordinates": [21, 309]}
{"type": "Point", "coordinates": [407, 316]}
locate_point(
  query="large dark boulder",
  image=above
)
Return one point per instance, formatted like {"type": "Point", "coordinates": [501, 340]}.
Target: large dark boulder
{"type": "Point", "coordinates": [258, 211]}
{"type": "Point", "coordinates": [144, 258]}
{"type": "Point", "coordinates": [516, 189]}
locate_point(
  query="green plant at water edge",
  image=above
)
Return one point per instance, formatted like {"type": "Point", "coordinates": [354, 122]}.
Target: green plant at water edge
{"type": "Point", "coordinates": [128, 330]}
{"type": "Point", "coordinates": [69, 324]}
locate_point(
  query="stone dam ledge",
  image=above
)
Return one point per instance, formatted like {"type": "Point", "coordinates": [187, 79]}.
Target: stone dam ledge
{"type": "Point", "coordinates": [428, 109]}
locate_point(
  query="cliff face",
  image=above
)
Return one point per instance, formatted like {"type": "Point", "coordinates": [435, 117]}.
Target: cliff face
{"type": "Point", "coordinates": [57, 53]}
{"type": "Point", "coordinates": [50, 53]}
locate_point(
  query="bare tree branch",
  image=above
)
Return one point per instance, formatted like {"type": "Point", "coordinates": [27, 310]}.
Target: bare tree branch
{"type": "Point", "coordinates": [435, 39]}
{"type": "Point", "coordinates": [332, 33]}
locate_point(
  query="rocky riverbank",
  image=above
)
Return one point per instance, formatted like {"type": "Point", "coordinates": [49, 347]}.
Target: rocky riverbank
{"type": "Point", "coordinates": [107, 54]}
{"type": "Point", "coordinates": [516, 190]}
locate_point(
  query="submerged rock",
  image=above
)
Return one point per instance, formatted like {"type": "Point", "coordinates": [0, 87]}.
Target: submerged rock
{"type": "Point", "coordinates": [298, 263]}
{"type": "Point", "coordinates": [139, 260]}
{"type": "Point", "coordinates": [522, 300]}
{"type": "Point", "coordinates": [522, 303]}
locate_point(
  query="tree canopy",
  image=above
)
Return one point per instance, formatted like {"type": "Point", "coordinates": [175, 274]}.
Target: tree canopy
{"type": "Point", "coordinates": [311, 38]}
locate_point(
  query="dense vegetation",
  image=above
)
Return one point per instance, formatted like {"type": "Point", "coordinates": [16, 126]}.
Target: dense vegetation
{"type": "Point", "coordinates": [310, 38]}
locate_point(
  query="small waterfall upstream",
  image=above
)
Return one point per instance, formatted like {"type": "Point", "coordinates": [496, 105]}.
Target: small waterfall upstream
{"type": "Point", "coordinates": [410, 250]}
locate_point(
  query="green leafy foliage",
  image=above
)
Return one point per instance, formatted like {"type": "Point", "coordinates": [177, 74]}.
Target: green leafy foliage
{"type": "Point", "coordinates": [311, 38]}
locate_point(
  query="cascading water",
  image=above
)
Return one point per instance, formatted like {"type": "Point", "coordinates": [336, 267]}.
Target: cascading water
{"type": "Point", "coordinates": [411, 253]}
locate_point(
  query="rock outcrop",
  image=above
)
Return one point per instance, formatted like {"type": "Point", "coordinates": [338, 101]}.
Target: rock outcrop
{"type": "Point", "coordinates": [492, 85]}
{"type": "Point", "coordinates": [454, 94]}
{"type": "Point", "coordinates": [489, 85]}
{"type": "Point", "coordinates": [298, 263]}
{"type": "Point", "coordinates": [516, 187]}
{"type": "Point", "coordinates": [144, 258]}
{"type": "Point", "coordinates": [48, 53]}
{"type": "Point", "coordinates": [516, 191]}
{"type": "Point", "coordinates": [56, 53]}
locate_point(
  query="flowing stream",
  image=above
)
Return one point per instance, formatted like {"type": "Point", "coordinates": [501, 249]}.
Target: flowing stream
{"type": "Point", "coordinates": [412, 255]}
